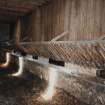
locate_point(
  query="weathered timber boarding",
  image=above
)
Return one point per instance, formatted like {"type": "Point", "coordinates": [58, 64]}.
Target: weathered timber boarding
{"type": "Point", "coordinates": [84, 19]}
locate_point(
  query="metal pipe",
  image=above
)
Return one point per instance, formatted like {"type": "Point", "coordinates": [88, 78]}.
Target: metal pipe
{"type": "Point", "coordinates": [8, 58]}
{"type": "Point", "coordinates": [21, 66]}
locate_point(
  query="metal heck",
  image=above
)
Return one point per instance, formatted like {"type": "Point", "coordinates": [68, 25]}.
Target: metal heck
{"type": "Point", "coordinates": [20, 52]}
{"type": "Point", "coordinates": [100, 73]}
{"type": "Point", "coordinates": [56, 62]}
{"type": "Point", "coordinates": [34, 56]}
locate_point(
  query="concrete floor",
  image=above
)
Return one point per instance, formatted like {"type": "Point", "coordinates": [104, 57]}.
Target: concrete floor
{"type": "Point", "coordinates": [26, 90]}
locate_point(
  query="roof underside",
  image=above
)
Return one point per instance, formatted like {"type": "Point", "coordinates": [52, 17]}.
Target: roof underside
{"type": "Point", "coordinates": [11, 9]}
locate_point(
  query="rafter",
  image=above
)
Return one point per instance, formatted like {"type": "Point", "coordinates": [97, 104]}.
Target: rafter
{"type": "Point", "coordinates": [18, 7]}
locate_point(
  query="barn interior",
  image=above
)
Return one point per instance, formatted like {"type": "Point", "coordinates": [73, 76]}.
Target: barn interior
{"type": "Point", "coordinates": [52, 52]}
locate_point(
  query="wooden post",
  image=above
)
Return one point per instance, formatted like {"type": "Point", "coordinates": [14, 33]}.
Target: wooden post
{"type": "Point", "coordinates": [35, 25]}
{"type": "Point", "coordinates": [67, 16]}
{"type": "Point", "coordinates": [17, 31]}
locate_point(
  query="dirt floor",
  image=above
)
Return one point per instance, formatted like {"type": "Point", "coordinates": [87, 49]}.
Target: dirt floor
{"type": "Point", "coordinates": [26, 90]}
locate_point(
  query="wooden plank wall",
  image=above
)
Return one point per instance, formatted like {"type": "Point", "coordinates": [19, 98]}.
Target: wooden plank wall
{"type": "Point", "coordinates": [31, 29]}
{"type": "Point", "coordinates": [84, 19]}
{"type": "Point", "coordinates": [45, 22]}
{"type": "Point", "coordinates": [52, 19]}
{"type": "Point", "coordinates": [87, 19]}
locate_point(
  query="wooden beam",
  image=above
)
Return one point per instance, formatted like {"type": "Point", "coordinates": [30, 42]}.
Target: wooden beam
{"type": "Point", "coordinates": [14, 9]}
{"type": "Point", "coordinates": [58, 37]}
